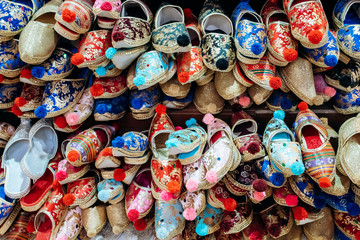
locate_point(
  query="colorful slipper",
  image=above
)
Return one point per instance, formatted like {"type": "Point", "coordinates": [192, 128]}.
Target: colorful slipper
{"type": "Point", "coordinates": [29, 99]}
{"type": "Point", "coordinates": [344, 77]}
{"type": "Point", "coordinates": [89, 214]}
{"type": "Point", "coordinates": [27, 77]}
{"type": "Point", "coordinates": [10, 62]}
{"type": "Point", "coordinates": [108, 189]}
{"type": "Point", "coordinates": [131, 144]}
{"type": "Point", "coordinates": [347, 102]}
{"type": "Point", "coordinates": [204, 104]}
{"type": "Point", "coordinates": [176, 103]}
{"type": "Point", "coordinates": [227, 86]}
{"type": "Point", "coordinates": [143, 102]}
{"type": "Point", "coordinates": [67, 173]}
{"type": "Point", "coordinates": [6, 131]}
{"type": "Point", "coordinates": [346, 226]}
{"type": "Point", "coordinates": [322, 88]}
{"type": "Point", "coordinates": [208, 221]}
{"type": "Point", "coordinates": [116, 215]}
{"type": "Point", "coordinates": [8, 94]}
{"type": "Point", "coordinates": [71, 226]}
{"type": "Point", "coordinates": [285, 196]}
{"type": "Point", "coordinates": [345, 203]}
{"type": "Point", "coordinates": [106, 159]}
{"type": "Point", "coordinates": [235, 221]}
{"type": "Point", "coordinates": [125, 173]}
{"type": "Point", "coordinates": [108, 109]}
{"type": "Point", "coordinates": [19, 229]}
{"type": "Point", "coordinates": [107, 9]}
{"type": "Point", "coordinates": [108, 70]}
{"type": "Point", "coordinates": [7, 205]}
{"type": "Point", "coordinates": [193, 176]}
{"type": "Point", "coordinates": [193, 204]}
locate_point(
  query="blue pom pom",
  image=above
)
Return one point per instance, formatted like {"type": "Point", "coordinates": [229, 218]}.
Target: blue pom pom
{"type": "Point", "coordinates": [101, 71]}
{"type": "Point", "coordinates": [320, 201]}
{"type": "Point", "coordinates": [118, 142]}
{"type": "Point", "coordinates": [38, 71]}
{"type": "Point", "coordinates": [279, 114]}
{"type": "Point", "coordinates": [202, 229]}
{"type": "Point", "coordinates": [139, 80]}
{"type": "Point", "coordinates": [277, 179]}
{"type": "Point", "coordinates": [191, 122]}
{"type": "Point", "coordinates": [357, 101]}
{"type": "Point", "coordinates": [331, 60]}
{"type": "Point", "coordinates": [256, 48]}
{"type": "Point", "coordinates": [286, 104]}
{"type": "Point", "coordinates": [297, 168]}
{"type": "Point", "coordinates": [353, 209]}
{"type": "Point", "coordinates": [104, 195]}
{"type": "Point", "coordinates": [40, 111]}
{"type": "Point", "coordinates": [101, 108]}
{"type": "Point", "coordinates": [162, 233]}
{"type": "Point", "coordinates": [110, 52]}
{"type": "Point", "coordinates": [136, 103]}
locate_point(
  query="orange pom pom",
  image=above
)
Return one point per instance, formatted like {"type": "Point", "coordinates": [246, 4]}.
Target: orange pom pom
{"type": "Point", "coordinates": [68, 16]}
{"type": "Point", "coordinates": [315, 36]}
{"type": "Point", "coordinates": [300, 213]}
{"type": "Point", "coordinates": [56, 184]}
{"type": "Point", "coordinates": [77, 59]}
{"type": "Point", "coordinates": [69, 199]}
{"type": "Point", "coordinates": [119, 175]}
{"type": "Point", "coordinates": [107, 152]}
{"type": "Point", "coordinates": [290, 54]}
{"type": "Point", "coordinates": [73, 155]}
{"type": "Point", "coordinates": [60, 121]}
{"type": "Point", "coordinates": [140, 225]}
{"type": "Point", "coordinates": [160, 109]}
{"type": "Point", "coordinates": [229, 204]}
{"type": "Point", "coordinates": [324, 182]}
{"type": "Point", "coordinates": [20, 101]}
{"type": "Point", "coordinates": [26, 73]}
{"type": "Point", "coordinates": [303, 106]}
{"type": "Point", "coordinates": [275, 82]}
{"type": "Point", "coordinates": [1, 78]}
{"type": "Point", "coordinates": [16, 110]}
{"type": "Point", "coordinates": [173, 186]}
{"type": "Point", "coordinates": [97, 90]}
{"type": "Point", "coordinates": [183, 77]}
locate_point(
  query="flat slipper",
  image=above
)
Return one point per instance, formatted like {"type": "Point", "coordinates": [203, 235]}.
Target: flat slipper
{"type": "Point", "coordinates": [131, 144]}
{"type": "Point", "coordinates": [67, 173]}
{"type": "Point", "coordinates": [117, 217]}
{"type": "Point", "coordinates": [89, 214]}
{"type": "Point", "coordinates": [108, 109]}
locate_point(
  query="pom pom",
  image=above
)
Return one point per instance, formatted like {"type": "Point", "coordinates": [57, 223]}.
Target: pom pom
{"type": "Point", "coordinates": [329, 91]}
{"type": "Point", "coordinates": [244, 101]}
{"type": "Point", "coordinates": [315, 36]}
{"type": "Point", "coordinates": [300, 213]}
{"type": "Point", "coordinates": [303, 106]}
{"type": "Point", "coordinates": [73, 155]}
{"type": "Point", "coordinates": [274, 230]}
{"type": "Point", "coordinates": [188, 13]}
{"type": "Point", "coordinates": [191, 122]}
{"type": "Point", "coordinates": [26, 73]}
{"type": "Point", "coordinates": [275, 82]}
{"type": "Point", "coordinates": [291, 200]}
{"type": "Point", "coordinates": [61, 175]}
{"type": "Point", "coordinates": [324, 182]}
{"type": "Point", "coordinates": [20, 101]}
{"type": "Point", "coordinates": [119, 175]}
{"type": "Point", "coordinates": [110, 52]}
{"type": "Point", "coordinates": [101, 71]}
{"type": "Point", "coordinates": [107, 152]}
{"type": "Point", "coordinates": [259, 185]}
{"type": "Point", "coordinates": [30, 228]}
{"type": "Point", "coordinates": [256, 235]}
{"type": "Point", "coordinates": [60, 121]}
{"type": "Point", "coordinates": [139, 80]}
{"type": "Point", "coordinates": [38, 71]}
{"type": "Point", "coordinates": [319, 201]}
{"type": "Point", "coordinates": [211, 177]}
{"type": "Point", "coordinates": [101, 108]}
{"type": "Point", "coordinates": [140, 225]}
{"type": "Point", "coordinates": [97, 90]}
{"type": "Point", "coordinates": [133, 215]}
{"type": "Point", "coordinates": [279, 114]}
{"type": "Point", "coordinates": [104, 195]}
{"type": "Point", "coordinates": [183, 40]}
{"type": "Point", "coordinates": [166, 196]}
{"type": "Point", "coordinates": [77, 59]}
{"type": "Point", "coordinates": [222, 64]}
{"type": "Point", "coordinates": [72, 118]}
{"type": "Point", "coordinates": [183, 77]}
{"type": "Point", "coordinates": [331, 60]}
{"type": "Point", "coordinates": [160, 109]}
{"type": "Point", "coordinates": [229, 204]}
{"type": "Point", "coordinates": [256, 48]}
{"type": "Point", "coordinates": [353, 209]}
{"type": "Point", "coordinates": [277, 179]}
{"type": "Point", "coordinates": [259, 196]}
{"type": "Point", "coordinates": [202, 229]}
{"type": "Point", "coordinates": [290, 54]}
{"type": "Point", "coordinates": [16, 110]}
{"type": "Point", "coordinates": [69, 199]}
{"type": "Point", "coordinates": [118, 36]}
{"type": "Point", "coordinates": [297, 168]}
{"type": "Point", "coordinates": [1, 78]}
{"type": "Point", "coordinates": [178, 128]}
{"type": "Point", "coordinates": [136, 103]}
{"type": "Point", "coordinates": [40, 112]}
{"type": "Point", "coordinates": [106, 6]}
{"type": "Point", "coordinates": [173, 186]}
{"type": "Point", "coordinates": [118, 142]}
{"type": "Point", "coordinates": [68, 16]}
{"type": "Point", "coordinates": [208, 118]}
{"type": "Point", "coordinates": [286, 104]}
{"type": "Point", "coordinates": [189, 214]}
{"type": "Point", "coordinates": [192, 185]}
{"type": "Point", "coordinates": [62, 237]}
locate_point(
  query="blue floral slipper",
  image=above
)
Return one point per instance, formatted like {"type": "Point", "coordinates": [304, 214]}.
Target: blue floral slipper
{"type": "Point", "coordinates": [344, 77]}
{"type": "Point", "coordinates": [250, 33]}
{"type": "Point", "coordinates": [108, 109]}
{"type": "Point", "coordinates": [131, 144]}
{"type": "Point", "coordinates": [10, 62]}
{"type": "Point", "coordinates": [345, 203]}
{"type": "Point", "coordinates": [7, 205]}
{"type": "Point", "coordinates": [208, 221]}
{"type": "Point", "coordinates": [170, 34]}
{"type": "Point", "coordinates": [280, 100]}
{"type": "Point", "coordinates": [8, 94]}
{"type": "Point", "coordinates": [347, 102]}
{"type": "Point", "coordinates": [144, 102]}
{"type": "Point", "coordinates": [108, 189]}
{"type": "Point", "coordinates": [284, 152]}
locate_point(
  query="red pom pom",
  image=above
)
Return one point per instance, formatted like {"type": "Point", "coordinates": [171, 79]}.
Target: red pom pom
{"type": "Point", "coordinates": [97, 90]}
{"type": "Point", "coordinates": [140, 225]}
{"type": "Point", "coordinates": [183, 77]}
{"type": "Point", "coordinates": [133, 215]}
{"type": "Point", "coordinates": [315, 36]}
{"type": "Point", "coordinates": [173, 186]}
{"type": "Point", "coordinates": [303, 106]}
{"type": "Point", "coordinates": [291, 200]}
{"type": "Point", "coordinates": [290, 54]}
{"type": "Point", "coordinates": [107, 152]}
{"type": "Point", "coordinates": [178, 128]}
{"type": "Point", "coordinates": [300, 213]}
{"type": "Point", "coordinates": [1, 78]}
{"type": "Point", "coordinates": [324, 182]}
{"type": "Point", "coordinates": [229, 204]}
{"type": "Point", "coordinates": [275, 82]}
{"type": "Point", "coordinates": [16, 110]}
{"type": "Point", "coordinates": [69, 199]}
{"type": "Point", "coordinates": [357, 235]}
{"type": "Point", "coordinates": [68, 16]}
{"type": "Point", "coordinates": [26, 73]}
{"type": "Point", "coordinates": [30, 228]}
{"type": "Point", "coordinates": [56, 184]}
{"type": "Point", "coordinates": [259, 185]}
{"type": "Point", "coordinates": [60, 121]}
{"type": "Point", "coordinates": [119, 175]}
{"type": "Point", "coordinates": [256, 235]}
{"type": "Point", "coordinates": [106, 6]}
{"type": "Point", "coordinates": [77, 59]}
{"type": "Point", "coordinates": [188, 13]}
{"type": "Point", "coordinates": [20, 101]}
{"type": "Point", "coordinates": [73, 155]}
{"type": "Point", "coordinates": [160, 109]}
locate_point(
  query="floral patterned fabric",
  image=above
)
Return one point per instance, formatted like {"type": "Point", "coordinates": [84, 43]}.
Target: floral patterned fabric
{"type": "Point", "coordinates": [82, 189]}
{"type": "Point", "coordinates": [114, 106]}
{"type": "Point", "coordinates": [164, 171]}
{"type": "Point", "coordinates": [138, 198]}
{"type": "Point", "coordinates": [211, 217]}
{"type": "Point", "coordinates": [10, 57]}
{"type": "Point", "coordinates": [191, 63]}
{"type": "Point", "coordinates": [349, 226]}
{"type": "Point", "coordinates": [8, 93]}
{"type": "Point", "coordinates": [148, 98]}
{"type": "Point", "coordinates": [72, 224]}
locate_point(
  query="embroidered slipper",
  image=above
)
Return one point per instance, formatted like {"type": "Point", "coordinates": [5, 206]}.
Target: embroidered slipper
{"type": "Point", "coordinates": [193, 176]}
{"type": "Point", "coordinates": [219, 197]}
{"type": "Point", "coordinates": [144, 102]}
{"type": "Point", "coordinates": [109, 70]}
{"type": "Point", "coordinates": [74, 18]}
{"type": "Point", "coordinates": [10, 218]}
{"type": "Point", "coordinates": [108, 109]}
{"type": "Point", "coordinates": [344, 77]}
{"type": "Point", "coordinates": [67, 173]}
{"type": "Point", "coordinates": [107, 9]}
{"type": "Point", "coordinates": [89, 214]}
{"type": "Point", "coordinates": [218, 49]}
{"type": "Point", "coordinates": [256, 229]}
{"type": "Point", "coordinates": [240, 76]}
{"type": "Point", "coordinates": [268, 173]}
{"type": "Point", "coordinates": [29, 100]}
{"type": "Point", "coordinates": [116, 215]}
{"type": "Point", "coordinates": [345, 203]}
{"type": "Point", "coordinates": [193, 204]}
{"type": "Point", "coordinates": [138, 160]}
{"type": "Point", "coordinates": [173, 88]}
{"type": "Point", "coordinates": [71, 226]}
{"type": "Point", "coordinates": [6, 131]}
{"type": "Point", "coordinates": [323, 229]}
{"type": "Point", "coordinates": [124, 173]}
{"type": "Point", "coordinates": [283, 151]}
{"type": "Point", "coordinates": [280, 100]}
{"type": "Point", "coordinates": [206, 78]}
{"type": "Point", "coordinates": [246, 139]}
{"type": "Point", "coordinates": [227, 86]}
{"type": "Point", "coordinates": [318, 154]}
{"type": "Point", "coordinates": [108, 189]}
{"type": "Point", "coordinates": [19, 228]}
{"type": "Point", "coordinates": [204, 104]}
{"type": "Point", "coordinates": [8, 94]}
{"type": "Point", "coordinates": [258, 94]}
{"type": "Point", "coordinates": [235, 221]}
{"type": "Point", "coordinates": [208, 221]}
{"type": "Point", "coordinates": [61, 125]}
{"type": "Point", "coordinates": [285, 196]}
{"type": "Point", "coordinates": [304, 213]}
{"type": "Point", "coordinates": [106, 159]}
{"type": "Point", "coordinates": [133, 27]}
{"type": "Point", "coordinates": [176, 103]}
{"type": "Point", "coordinates": [250, 33]}
{"type": "Point", "coordinates": [346, 102]}
{"type": "Point", "coordinates": [7, 205]}
{"type": "Point", "coordinates": [10, 62]}
{"type": "Point", "coordinates": [308, 22]}
{"type": "Point", "coordinates": [256, 197]}
{"type": "Point", "coordinates": [131, 144]}
{"type": "Point", "coordinates": [170, 34]}
{"type": "Point", "coordinates": [346, 226]}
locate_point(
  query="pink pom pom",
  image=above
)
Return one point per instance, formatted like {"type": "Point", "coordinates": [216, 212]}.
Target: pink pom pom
{"type": "Point", "coordinates": [291, 200]}
{"type": "Point", "coordinates": [259, 196]}
{"type": "Point", "coordinates": [166, 196]}
{"type": "Point", "coordinates": [192, 185]}
{"type": "Point", "coordinates": [211, 176]}
{"type": "Point", "coordinates": [244, 101]}
{"type": "Point", "coordinates": [61, 175]}
{"type": "Point", "coordinates": [330, 91]}
{"type": "Point", "coordinates": [72, 118]}
{"type": "Point", "coordinates": [62, 237]}
{"type": "Point", "coordinates": [178, 128]}
{"type": "Point", "coordinates": [208, 118]}
{"type": "Point", "coordinates": [189, 214]}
